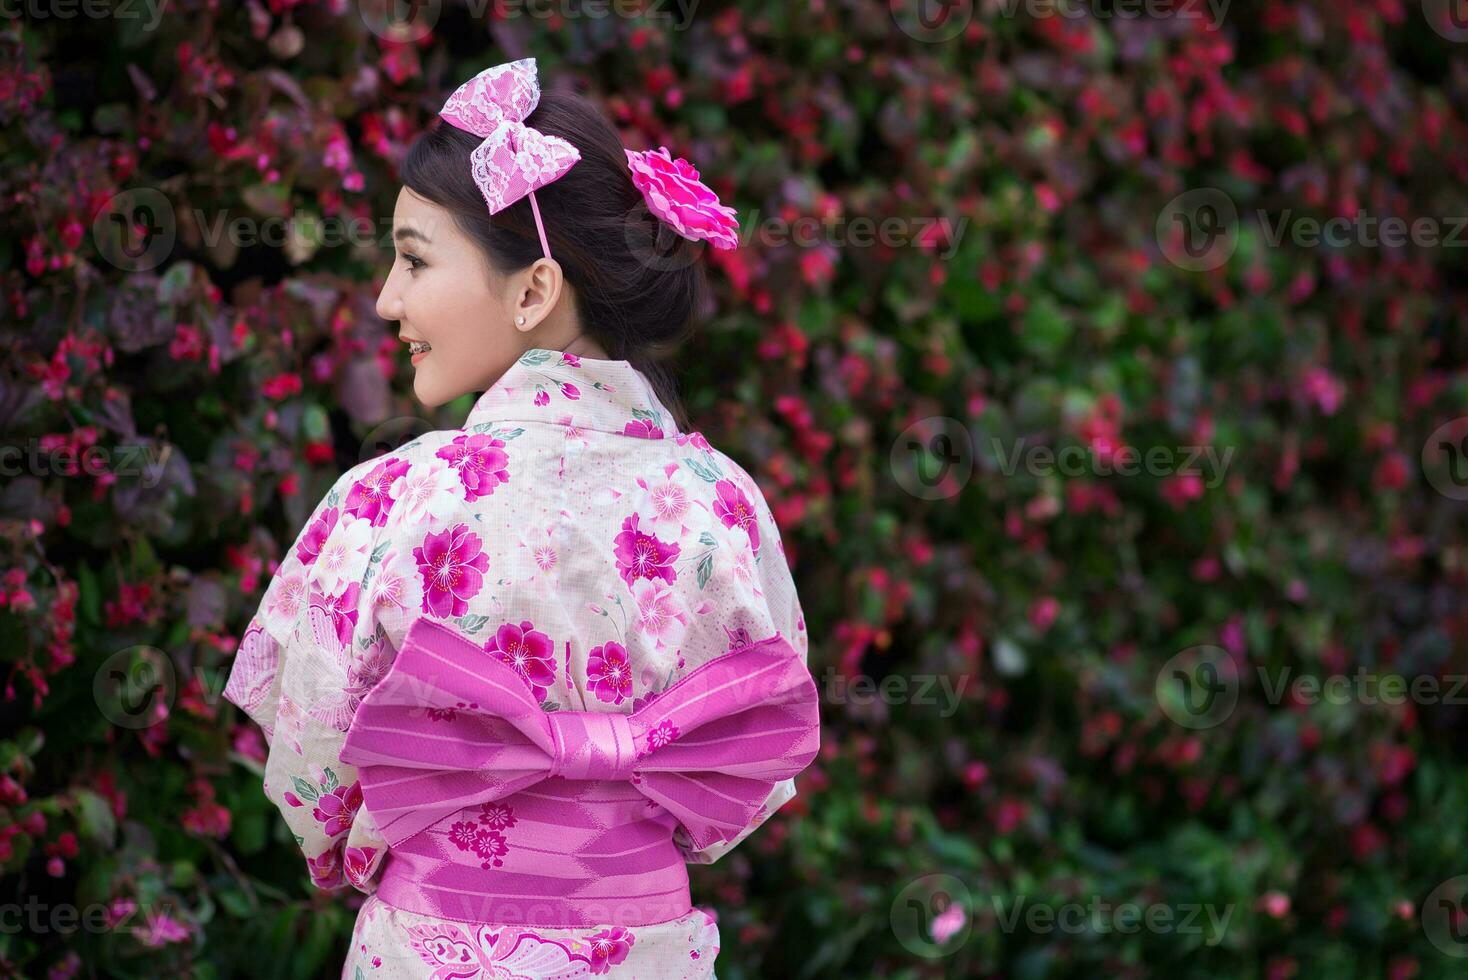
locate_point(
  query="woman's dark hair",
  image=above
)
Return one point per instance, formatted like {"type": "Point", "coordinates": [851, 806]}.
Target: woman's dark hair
{"type": "Point", "coordinates": [638, 283]}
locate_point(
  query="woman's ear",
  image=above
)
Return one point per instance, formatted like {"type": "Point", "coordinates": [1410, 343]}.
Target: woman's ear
{"type": "Point", "coordinates": [538, 292]}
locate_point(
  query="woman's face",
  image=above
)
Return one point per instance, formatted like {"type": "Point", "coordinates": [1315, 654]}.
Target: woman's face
{"type": "Point", "coordinates": [442, 292]}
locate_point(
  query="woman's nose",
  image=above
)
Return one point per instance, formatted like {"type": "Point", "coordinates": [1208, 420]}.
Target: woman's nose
{"type": "Point", "coordinates": [387, 301]}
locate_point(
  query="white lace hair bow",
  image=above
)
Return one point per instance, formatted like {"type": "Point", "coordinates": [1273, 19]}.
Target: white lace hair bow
{"type": "Point", "coordinates": [514, 159]}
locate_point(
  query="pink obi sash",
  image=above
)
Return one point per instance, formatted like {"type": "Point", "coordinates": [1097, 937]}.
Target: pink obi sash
{"type": "Point", "coordinates": [496, 810]}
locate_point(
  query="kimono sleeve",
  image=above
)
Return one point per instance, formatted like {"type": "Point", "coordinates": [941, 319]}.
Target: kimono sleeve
{"type": "Point", "coordinates": [780, 606]}
{"type": "Point", "coordinates": [305, 660]}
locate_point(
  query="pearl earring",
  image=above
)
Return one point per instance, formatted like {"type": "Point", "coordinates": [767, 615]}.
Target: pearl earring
{"type": "Point", "coordinates": [520, 320]}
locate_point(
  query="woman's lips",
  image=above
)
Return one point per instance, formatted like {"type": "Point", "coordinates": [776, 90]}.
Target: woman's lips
{"type": "Point", "coordinates": [419, 349]}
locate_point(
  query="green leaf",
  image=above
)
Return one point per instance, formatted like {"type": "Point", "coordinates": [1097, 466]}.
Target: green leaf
{"type": "Point", "coordinates": [1045, 329]}
{"type": "Point", "coordinates": [94, 817]}
{"type": "Point", "coordinates": [471, 624]}
{"type": "Point", "coordinates": [270, 200]}
{"type": "Point", "coordinates": [707, 474]}
{"type": "Point", "coordinates": [705, 569]}
{"type": "Point", "coordinates": [305, 790]}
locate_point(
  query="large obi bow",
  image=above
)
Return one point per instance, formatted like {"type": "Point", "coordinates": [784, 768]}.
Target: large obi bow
{"type": "Point", "coordinates": [452, 726]}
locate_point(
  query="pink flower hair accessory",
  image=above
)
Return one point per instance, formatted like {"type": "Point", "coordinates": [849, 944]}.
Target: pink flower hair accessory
{"type": "Point", "coordinates": [675, 194]}
{"type": "Point", "coordinates": [514, 159]}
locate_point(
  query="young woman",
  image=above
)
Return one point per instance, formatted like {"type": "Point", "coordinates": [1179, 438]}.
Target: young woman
{"type": "Point", "coordinates": [516, 675]}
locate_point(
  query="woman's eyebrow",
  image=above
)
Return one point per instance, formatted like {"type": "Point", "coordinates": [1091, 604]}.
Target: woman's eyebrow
{"type": "Point", "coordinates": [405, 233]}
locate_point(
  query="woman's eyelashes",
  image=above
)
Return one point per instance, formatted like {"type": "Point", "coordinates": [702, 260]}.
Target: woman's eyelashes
{"type": "Point", "coordinates": [414, 262]}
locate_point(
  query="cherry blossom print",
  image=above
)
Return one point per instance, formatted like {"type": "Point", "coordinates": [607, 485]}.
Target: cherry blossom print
{"type": "Point", "coordinates": [660, 612]}
{"type": "Point", "coordinates": [496, 816]}
{"type": "Point", "coordinates": [425, 492]}
{"type": "Point", "coordinates": [536, 555]}
{"type": "Point", "coordinates": [609, 672]}
{"type": "Point", "coordinates": [325, 868]}
{"type": "Point", "coordinates": [451, 564]}
{"type": "Point", "coordinates": [370, 498]}
{"type": "Point", "coordinates": [333, 618]}
{"type": "Point", "coordinates": [733, 508]}
{"type": "Point", "coordinates": [609, 947]}
{"type": "Point", "coordinates": [343, 554]}
{"type": "Point", "coordinates": [316, 534]}
{"type": "Point", "coordinates": [480, 461]}
{"type": "Point", "coordinates": [284, 600]}
{"type": "Point", "coordinates": [663, 733]}
{"type": "Point", "coordinates": [396, 585]}
{"type": "Point", "coordinates": [342, 691]}
{"type": "Point", "coordinates": [290, 724]}
{"type": "Point", "coordinates": [733, 557]}
{"type": "Point", "coordinates": [486, 843]}
{"type": "Point", "coordinates": [336, 810]}
{"type": "Point", "coordinates": [529, 651]}
{"type": "Point", "coordinates": [695, 439]}
{"type": "Point", "coordinates": [641, 555]}
{"type": "Point", "coordinates": [358, 864]}
{"type": "Point", "coordinates": [642, 429]}
{"type": "Point", "coordinates": [666, 502]}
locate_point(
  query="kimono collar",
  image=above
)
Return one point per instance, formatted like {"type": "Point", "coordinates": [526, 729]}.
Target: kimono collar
{"type": "Point", "coordinates": [581, 392]}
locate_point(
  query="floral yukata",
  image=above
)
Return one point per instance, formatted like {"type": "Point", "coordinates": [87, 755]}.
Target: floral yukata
{"type": "Point", "coordinates": [585, 586]}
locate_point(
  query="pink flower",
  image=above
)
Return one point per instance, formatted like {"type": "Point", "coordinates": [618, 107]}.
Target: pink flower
{"type": "Point", "coordinates": [496, 816]}
{"type": "Point", "coordinates": [310, 545]}
{"type": "Point", "coordinates": [609, 672]}
{"type": "Point", "coordinates": [369, 497]}
{"type": "Point", "coordinates": [341, 611]}
{"type": "Point", "coordinates": [641, 555]}
{"type": "Point", "coordinates": [642, 429]}
{"type": "Point", "coordinates": [948, 922]}
{"type": "Point", "coordinates": [162, 929]}
{"type": "Point", "coordinates": [1276, 905]}
{"type": "Point", "coordinates": [697, 438]}
{"type": "Point", "coordinates": [325, 868]}
{"type": "Point", "coordinates": [1043, 612]}
{"type": "Point", "coordinates": [609, 947]}
{"type": "Point", "coordinates": [663, 734]}
{"type": "Point", "coordinates": [452, 565]}
{"type": "Point", "coordinates": [357, 863]}
{"type": "Point", "coordinates": [336, 810]}
{"type": "Point", "coordinates": [1180, 488]}
{"type": "Point", "coordinates": [480, 461]}
{"type": "Point", "coordinates": [675, 194]}
{"type": "Point", "coordinates": [528, 651]}
{"type": "Point", "coordinates": [733, 507]}
{"type": "Point", "coordinates": [1324, 389]}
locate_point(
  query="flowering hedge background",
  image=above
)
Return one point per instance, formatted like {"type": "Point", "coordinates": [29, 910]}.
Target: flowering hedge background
{"type": "Point", "coordinates": [177, 420]}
